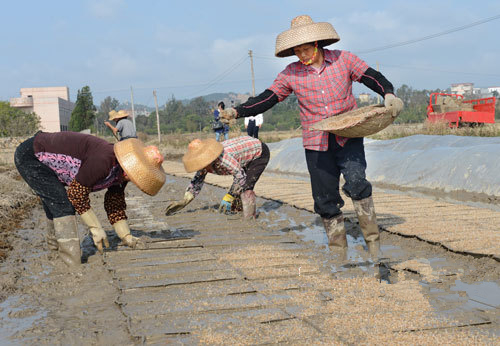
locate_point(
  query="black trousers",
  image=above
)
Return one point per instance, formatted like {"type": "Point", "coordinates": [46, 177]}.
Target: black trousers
{"type": "Point", "coordinates": [325, 168]}
{"type": "Point", "coordinates": [255, 168]}
{"type": "Point", "coordinates": [252, 129]}
{"type": "Point", "coordinates": [43, 181]}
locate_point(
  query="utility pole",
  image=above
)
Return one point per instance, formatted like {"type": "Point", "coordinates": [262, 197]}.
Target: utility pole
{"type": "Point", "coordinates": [251, 67]}
{"type": "Point", "coordinates": [133, 112]}
{"type": "Point", "coordinates": [157, 117]}
{"type": "Point", "coordinates": [378, 96]}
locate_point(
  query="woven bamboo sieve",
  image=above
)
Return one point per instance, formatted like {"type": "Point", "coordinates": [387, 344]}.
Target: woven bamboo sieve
{"type": "Point", "coordinates": [359, 122]}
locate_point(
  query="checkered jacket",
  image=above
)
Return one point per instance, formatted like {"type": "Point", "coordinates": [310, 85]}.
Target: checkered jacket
{"type": "Point", "coordinates": [321, 93]}
{"type": "Point", "coordinates": [237, 154]}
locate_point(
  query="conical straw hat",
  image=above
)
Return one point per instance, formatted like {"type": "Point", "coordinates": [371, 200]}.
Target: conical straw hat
{"type": "Point", "coordinates": [142, 164]}
{"type": "Point", "coordinates": [201, 153]}
{"type": "Point", "coordinates": [304, 30]}
{"type": "Point", "coordinates": [359, 122]}
{"type": "Point", "coordinates": [117, 115]}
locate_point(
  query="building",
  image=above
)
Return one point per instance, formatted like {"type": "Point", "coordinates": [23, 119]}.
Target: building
{"type": "Point", "coordinates": [51, 104]}
{"type": "Point", "coordinates": [364, 98]}
{"type": "Point", "coordinates": [462, 88]}
{"type": "Point", "coordinates": [494, 89]}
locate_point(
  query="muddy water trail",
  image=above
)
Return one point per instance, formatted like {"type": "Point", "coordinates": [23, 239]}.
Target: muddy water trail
{"type": "Point", "coordinates": [211, 278]}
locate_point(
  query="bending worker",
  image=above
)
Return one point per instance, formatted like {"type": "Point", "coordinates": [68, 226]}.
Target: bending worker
{"type": "Point", "coordinates": [124, 126]}
{"type": "Point", "coordinates": [49, 162]}
{"type": "Point", "coordinates": [245, 158]}
{"type": "Point", "coordinates": [322, 81]}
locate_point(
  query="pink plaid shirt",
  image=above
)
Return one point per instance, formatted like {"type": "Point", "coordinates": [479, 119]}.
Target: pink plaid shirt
{"type": "Point", "coordinates": [321, 93]}
{"type": "Point", "coordinates": [237, 154]}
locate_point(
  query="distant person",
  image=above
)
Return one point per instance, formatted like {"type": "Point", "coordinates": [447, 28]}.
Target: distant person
{"type": "Point", "coordinates": [322, 81]}
{"type": "Point", "coordinates": [253, 124]}
{"type": "Point", "coordinates": [124, 127]}
{"type": "Point", "coordinates": [63, 168]}
{"type": "Point", "coordinates": [245, 158]}
{"type": "Point", "coordinates": [219, 127]}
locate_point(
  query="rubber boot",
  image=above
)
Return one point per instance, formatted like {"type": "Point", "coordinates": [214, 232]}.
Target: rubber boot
{"type": "Point", "coordinates": [335, 231]}
{"type": "Point", "coordinates": [368, 223]}
{"type": "Point", "coordinates": [51, 236]}
{"type": "Point", "coordinates": [66, 232]}
{"type": "Point", "coordinates": [249, 204]}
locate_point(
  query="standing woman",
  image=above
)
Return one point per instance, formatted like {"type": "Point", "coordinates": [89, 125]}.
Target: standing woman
{"type": "Point", "coordinates": [50, 162]}
{"type": "Point", "coordinates": [224, 128]}
{"type": "Point", "coordinates": [322, 81]}
{"type": "Point", "coordinates": [124, 126]}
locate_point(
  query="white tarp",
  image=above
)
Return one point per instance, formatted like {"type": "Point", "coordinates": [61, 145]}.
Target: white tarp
{"type": "Point", "coordinates": [445, 162]}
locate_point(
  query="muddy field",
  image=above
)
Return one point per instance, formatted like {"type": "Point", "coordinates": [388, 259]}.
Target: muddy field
{"type": "Point", "coordinates": [211, 278]}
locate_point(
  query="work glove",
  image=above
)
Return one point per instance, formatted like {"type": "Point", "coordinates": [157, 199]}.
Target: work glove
{"type": "Point", "coordinates": [225, 204]}
{"type": "Point", "coordinates": [394, 103]}
{"type": "Point", "coordinates": [123, 232]}
{"type": "Point", "coordinates": [228, 116]}
{"type": "Point", "coordinates": [178, 205]}
{"type": "Point", "coordinates": [98, 235]}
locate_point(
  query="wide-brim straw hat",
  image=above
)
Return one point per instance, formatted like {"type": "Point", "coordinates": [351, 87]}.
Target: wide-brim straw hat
{"type": "Point", "coordinates": [117, 115]}
{"type": "Point", "coordinates": [201, 153]}
{"type": "Point", "coordinates": [142, 164]}
{"type": "Point", "coordinates": [304, 30]}
{"type": "Point", "coordinates": [360, 122]}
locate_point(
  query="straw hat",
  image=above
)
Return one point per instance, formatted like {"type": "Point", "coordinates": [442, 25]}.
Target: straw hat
{"type": "Point", "coordinates": [142, 164]}
{"type": "Point", "coordinates": [201, 153]}
{"type": "Point", "coordinates": [117, 115]}
{"type": "Point", "coordinates": [304, 30]}
{"type": "Point", "coordinates": [360, 122]}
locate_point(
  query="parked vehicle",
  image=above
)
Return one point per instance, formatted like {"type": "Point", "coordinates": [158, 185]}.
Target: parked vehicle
{"type": "Point", "coordinates": [453, 109]}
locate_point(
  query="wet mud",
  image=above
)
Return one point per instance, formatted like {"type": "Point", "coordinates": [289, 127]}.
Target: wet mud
{"type": "Point", "coordinates": [210, 278]}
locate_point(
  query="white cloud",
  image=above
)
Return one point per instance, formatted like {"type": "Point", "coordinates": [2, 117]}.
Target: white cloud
{"type": "Point", "coordinates": [104, 8]}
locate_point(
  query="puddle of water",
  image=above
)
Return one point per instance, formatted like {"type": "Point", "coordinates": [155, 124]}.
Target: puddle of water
{"type": "Point", "coordinates": [486, 294]}
{"type": "Point", "coordinates": [9, 326]}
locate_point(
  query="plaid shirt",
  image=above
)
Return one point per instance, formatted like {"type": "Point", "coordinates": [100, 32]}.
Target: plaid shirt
{"type": "Point", "coordinates": [236, 155]}
{"type": "Point", "coordinates": [321, 93]}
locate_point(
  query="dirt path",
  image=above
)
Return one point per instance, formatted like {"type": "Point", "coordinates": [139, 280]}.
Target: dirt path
{"type": "Point", "coordinates": [212, 278]}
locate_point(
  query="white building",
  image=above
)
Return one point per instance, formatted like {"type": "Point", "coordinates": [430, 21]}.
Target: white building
{"type": "Point", "coordinates": [492, 89]}
{"type": "Point", "coordinates": [462, 88]}
{"type": "Point", "coordinates": [51, 104]}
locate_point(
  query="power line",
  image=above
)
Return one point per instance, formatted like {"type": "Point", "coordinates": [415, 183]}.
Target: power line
{"type": "Point", "coordinates": [222, 75]}
{"type": "Point", "coordinates": [442, 71]}
{"type": "Point", "coordinates": [428, 37]}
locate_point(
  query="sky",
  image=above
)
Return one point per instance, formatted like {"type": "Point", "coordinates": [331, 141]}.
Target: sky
{"type": "Point", "coordinates": [185, 49]}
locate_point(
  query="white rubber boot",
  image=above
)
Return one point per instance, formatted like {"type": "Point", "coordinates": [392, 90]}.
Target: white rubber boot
{"type": "Point", "coordinates": [66, 232]}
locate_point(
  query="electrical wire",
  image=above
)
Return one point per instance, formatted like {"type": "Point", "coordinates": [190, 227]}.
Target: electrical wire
{"type": "Point", "coordinates": [221, 76]}
{"type": "Point", "coordinates": [428, 37]}
{"type": "Point", "coordinates": [441, 71]}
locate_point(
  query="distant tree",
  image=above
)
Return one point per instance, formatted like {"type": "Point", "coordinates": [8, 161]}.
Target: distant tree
{"type": "Point", "coordinates": [415, 104]}
{"type": "Point", "coordinates": [84, 113]}
{"type": "Point", "coordinates": [15, 122]}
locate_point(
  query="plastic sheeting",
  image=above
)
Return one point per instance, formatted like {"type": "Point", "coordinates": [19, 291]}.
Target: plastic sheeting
{"type": "Point", "coordinates": [448, 163]}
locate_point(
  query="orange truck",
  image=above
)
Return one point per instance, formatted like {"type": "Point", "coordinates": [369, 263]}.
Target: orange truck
{"type": "Point", "coordinates": [454, 110]}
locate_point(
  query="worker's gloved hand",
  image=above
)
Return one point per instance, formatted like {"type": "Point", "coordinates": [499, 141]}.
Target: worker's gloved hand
{"type": "Point", "coordinates": [228, 116]}
{"type": "Point", "coordinates": [225, 204]}
{"type": "Point", "coordinates": [123, 232]}
{"type": "Point", "coordinates": [98, 235]}
{"type": "Point", "coordinates": [178, 205]}
{"type": "Point", "coordinates": [394, 103]}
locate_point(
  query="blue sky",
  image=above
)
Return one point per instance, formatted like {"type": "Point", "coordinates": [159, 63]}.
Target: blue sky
{"type": "Point", "coordinates": [193, 48]}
